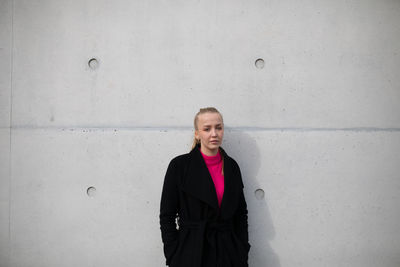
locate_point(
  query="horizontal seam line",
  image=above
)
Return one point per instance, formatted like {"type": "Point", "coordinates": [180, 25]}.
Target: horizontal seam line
{"type": "Point", "coordinates": [239, 128]}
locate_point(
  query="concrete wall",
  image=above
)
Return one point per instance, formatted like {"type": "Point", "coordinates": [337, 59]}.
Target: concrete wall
{"type": "Point", "coordinates": [315, 128]}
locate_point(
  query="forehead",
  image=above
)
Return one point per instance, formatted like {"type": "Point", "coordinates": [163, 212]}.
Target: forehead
{"type": "Point", "coordinates": [209, 118]}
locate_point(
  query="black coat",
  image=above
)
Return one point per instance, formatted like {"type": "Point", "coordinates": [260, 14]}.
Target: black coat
{"type": "Point", "coordinates": [207, 235]}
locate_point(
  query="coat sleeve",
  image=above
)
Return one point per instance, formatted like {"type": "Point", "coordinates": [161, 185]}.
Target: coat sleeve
{"type": "Point", "coordinates": [169, 207]}
{"type": "Point", "coordinates": [241, 224]}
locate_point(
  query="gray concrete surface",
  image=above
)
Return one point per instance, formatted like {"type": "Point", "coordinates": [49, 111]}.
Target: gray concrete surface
{"type": "Point", "coordinates": [316, 130]}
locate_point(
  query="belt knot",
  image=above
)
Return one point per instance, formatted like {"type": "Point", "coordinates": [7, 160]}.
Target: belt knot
{"type": "Point", "coordinates": [207, 232]}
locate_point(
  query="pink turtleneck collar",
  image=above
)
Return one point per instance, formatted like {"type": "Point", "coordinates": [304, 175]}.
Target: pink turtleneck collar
{"type": "Point", "coordinates": [212, 160]}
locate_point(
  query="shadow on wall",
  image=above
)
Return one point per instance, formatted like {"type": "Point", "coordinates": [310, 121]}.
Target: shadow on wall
{"type": "Point", "coordinates": [244, 149]}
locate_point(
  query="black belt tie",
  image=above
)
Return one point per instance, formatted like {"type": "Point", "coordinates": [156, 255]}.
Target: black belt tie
{"type": "Point", "coordinates": [209, 232]}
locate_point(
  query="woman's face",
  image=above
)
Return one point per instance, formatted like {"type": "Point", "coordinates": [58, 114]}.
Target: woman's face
{"type": "Point", "coordinates": [210, 132]}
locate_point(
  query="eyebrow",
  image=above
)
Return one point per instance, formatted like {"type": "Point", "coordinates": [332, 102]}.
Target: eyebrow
{"type": "Point", "coordinates": [208, 125]}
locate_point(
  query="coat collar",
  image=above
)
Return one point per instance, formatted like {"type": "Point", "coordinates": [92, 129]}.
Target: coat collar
{"type": "Point", "coordinates": [198, 182]}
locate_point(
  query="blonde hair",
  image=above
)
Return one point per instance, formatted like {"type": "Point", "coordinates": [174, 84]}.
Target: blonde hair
{"type": "Point", "coordinates": [196, 120]}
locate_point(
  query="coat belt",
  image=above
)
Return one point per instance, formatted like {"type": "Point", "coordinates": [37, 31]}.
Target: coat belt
{"type": "Point", "coordinates": [209, 231]}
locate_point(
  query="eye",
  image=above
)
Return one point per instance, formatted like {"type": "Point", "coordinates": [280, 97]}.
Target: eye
{"type": "Point", "coordinates": [207, 129]}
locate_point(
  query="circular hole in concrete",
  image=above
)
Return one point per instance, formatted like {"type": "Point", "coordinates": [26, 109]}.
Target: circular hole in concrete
{"type": "Point", "coordinates": [91, 191]}
{"type": "Point", "coordinates": [93, 63]}
{"type": "Point", "coordinates": [259, 193]}
{"type": "Point", "coordinates": [259, 63]}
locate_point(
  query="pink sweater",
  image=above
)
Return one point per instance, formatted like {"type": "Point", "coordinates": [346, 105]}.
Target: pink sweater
{"type": "Point", "coordinates": [214, 165]}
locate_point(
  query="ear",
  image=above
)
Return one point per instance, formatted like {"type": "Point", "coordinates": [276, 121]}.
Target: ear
{"type": "Point", "coordinates": [196, 134]}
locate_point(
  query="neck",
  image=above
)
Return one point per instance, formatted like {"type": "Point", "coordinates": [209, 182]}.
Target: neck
{"type": "Point", "coordinates": [209, 152]}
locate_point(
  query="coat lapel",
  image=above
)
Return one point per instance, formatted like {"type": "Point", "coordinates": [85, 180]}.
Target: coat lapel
{"type": "Point", "coordinates": [198, 183]}
{"type": "Point", "coordinates": [232, 189]}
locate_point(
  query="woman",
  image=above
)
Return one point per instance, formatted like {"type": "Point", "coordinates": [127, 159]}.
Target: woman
{"type": "Point", "coordinates": [203, 194]}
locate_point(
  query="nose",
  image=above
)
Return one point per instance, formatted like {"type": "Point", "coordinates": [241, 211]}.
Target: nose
{"type": "Point", "coordinates": [213, 132]}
